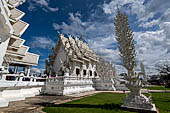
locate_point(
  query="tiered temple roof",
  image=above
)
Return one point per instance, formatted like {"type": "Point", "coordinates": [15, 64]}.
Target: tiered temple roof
{"type": "Point", "coordinates": [75, 48]}
{"type": "Point", "coordinates": [16, 28]}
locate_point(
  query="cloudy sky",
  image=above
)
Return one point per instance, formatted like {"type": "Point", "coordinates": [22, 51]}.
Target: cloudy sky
{"type": "Point", "coordinates": [93, 19]}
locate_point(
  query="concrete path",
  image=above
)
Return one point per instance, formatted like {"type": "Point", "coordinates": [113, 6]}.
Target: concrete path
{"type": "Point", "coordinates": [35, 104]}
{"type": "Point", "coordinates": [159, 91]}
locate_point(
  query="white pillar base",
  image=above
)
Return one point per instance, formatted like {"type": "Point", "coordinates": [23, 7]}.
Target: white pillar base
{"type": "Point", "coordinates": [3, 101]}
{"type": "Point", "coordinates": [27, 92]}
{"type": "Point", "coordinates": [37, 90]}
{"type": "Point", "coordinates": [13, 95]}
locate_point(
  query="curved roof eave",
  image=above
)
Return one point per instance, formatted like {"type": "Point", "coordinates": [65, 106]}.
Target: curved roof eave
{"type": "Point", "coordinates": [5, 19]}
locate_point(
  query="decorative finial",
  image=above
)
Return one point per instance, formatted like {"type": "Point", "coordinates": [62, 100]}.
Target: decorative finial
{"type": "Point", "coordinates": [81, 37]}
{"type": "Point", "coordinates": [69, 36]}
{"type": "Point", "coordinates": [58, 32]}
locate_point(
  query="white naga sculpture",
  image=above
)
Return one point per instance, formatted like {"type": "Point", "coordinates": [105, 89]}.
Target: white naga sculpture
{"type": "Point", "coordinates": [105, 69]}
{"type": "Point", "coordinates": [126, 46]}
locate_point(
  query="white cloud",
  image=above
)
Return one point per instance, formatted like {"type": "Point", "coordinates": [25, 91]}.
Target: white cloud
{"type": "Point", "coordinates": [157, 6]}
{"type": "Point", "coordinates": [165, 17]}
{"type": "Point", "coordinates": [88, 29]}
{"type": "Point", "coordinates": [149, 24]}
{"type": "Point", "coordinates": [42, 42]}
{"type": "Point", "coordinates": [144, 12]}
{"type": "Point", "coordinates": [76, 26]}
{"type": "Point", "coordinates": [132, 7]}
{"type": "Point", "coordinates": [152, 47]}
{"type": "Point", "coordinates": [44, 4]}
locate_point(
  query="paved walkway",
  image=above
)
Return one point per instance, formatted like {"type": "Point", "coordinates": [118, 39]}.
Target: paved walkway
{"type": "Point", "coordinates": [159, 91]}
{"type": "Point", "coordinates": [35, 104]}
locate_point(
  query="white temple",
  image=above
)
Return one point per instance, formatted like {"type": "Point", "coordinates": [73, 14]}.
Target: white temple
{"type": "Point", "coordinates": [73, 56]}
{"type": "Point", "coordinates": [74, 68]}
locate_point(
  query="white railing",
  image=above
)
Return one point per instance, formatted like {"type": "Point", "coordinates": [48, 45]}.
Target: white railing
{"type": "Point", "coordinates": [14, 80]}
{"type": "Point", "coordinates": [62, 78]}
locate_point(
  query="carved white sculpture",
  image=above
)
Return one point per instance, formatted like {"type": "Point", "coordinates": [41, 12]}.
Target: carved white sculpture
{"type": "Point", "coordinates": [105, 69]}
{"type": "Point", "coordinates": [126, 46]}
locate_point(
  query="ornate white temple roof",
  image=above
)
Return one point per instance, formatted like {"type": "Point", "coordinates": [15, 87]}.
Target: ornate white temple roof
{"type": "Point", "coordinates": [14, 3]}
{"type": "Point", "coordinates": [18, 52]}
{"type": "Point", "coordinates": [77, 49]}
{"type": "Point", "coordinates": [19, 27]}
{"type": "Point", "coordinates": [15, 42]}
{"type": "Point", "coordinates": [16, 14]}
{"type": "Point", "coordinates": [15, 28]}
{"type": "Point", "coordinates": [28, 59]}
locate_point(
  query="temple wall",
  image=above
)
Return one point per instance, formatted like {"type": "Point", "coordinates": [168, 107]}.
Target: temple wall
{"type": "Point", "coordinates": [73, 85]}
{"type": "Point", "coordinates": [3, 48]}
{"type": "Point", "coordinates": [67, 86]}
{"type": "Point", "coordinates": [76, 65]}
{"type": "Point", "coordinates": [104, 84]}
{"type": "Point", "coordinates": [61, 55]}
{"type": "Point", "coordinates": [86, 66]}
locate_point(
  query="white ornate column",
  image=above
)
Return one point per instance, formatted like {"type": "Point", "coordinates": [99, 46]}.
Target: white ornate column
{"type": "Point", "coordinates": [28, 70]}
{"type": "Point", "coordinates": [15, 69]}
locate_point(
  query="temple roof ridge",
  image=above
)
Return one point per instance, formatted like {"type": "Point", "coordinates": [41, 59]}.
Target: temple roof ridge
{"type": "Point", "coordinates": [73, 45]}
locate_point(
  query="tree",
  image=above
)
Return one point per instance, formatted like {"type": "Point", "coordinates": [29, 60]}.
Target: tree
{"type": "Point", "coordinates": [164, 71]}
{"type": "Point", "coordinates": [124, 37]}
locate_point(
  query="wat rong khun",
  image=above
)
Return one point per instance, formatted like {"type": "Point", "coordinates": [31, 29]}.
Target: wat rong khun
{"type": "Point", "coordinates": [73, 72]}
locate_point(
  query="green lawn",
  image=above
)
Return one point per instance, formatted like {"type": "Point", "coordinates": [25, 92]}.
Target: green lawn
{"type": "Point", "coordinates": [162, 102]}
{"type": "Point", "coordinates": [156, 88]}
{"type": "Point", "coordinates": [106, 103]}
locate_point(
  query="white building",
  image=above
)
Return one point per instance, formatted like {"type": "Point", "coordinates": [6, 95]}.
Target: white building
{"type": "Point", "coordinates": [75, 66]}
{"type": "Point", "coordinates": [73, 57]}
{"type": "Point", "coordinates": [14, 53]}
{"type": "Point", "coordinates": [11, 30]}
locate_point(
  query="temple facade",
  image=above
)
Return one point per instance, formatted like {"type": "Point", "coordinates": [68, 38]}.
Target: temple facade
{"type": "Point", "coordinates": [73, 67]}
{"type": "Point", "coordinates": [72, 57]}
{"type": "Point", "coordinates": [13, 52]}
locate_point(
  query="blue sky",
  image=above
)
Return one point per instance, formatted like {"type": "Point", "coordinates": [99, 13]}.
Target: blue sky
{"type": "Point", "coordinates": [93, 19]}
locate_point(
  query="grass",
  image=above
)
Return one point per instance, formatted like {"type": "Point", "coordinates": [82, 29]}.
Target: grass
{"type": "Point", "coordinates": [162, 102]}
{"type": "Point", "coordinates": [106, 103]}
{"type": "Point", "coordinates": [155, 87]}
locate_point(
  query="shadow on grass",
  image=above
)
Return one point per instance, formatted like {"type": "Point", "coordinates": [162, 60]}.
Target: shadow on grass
{"type": "Point", "coordinates": [102, 106]}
